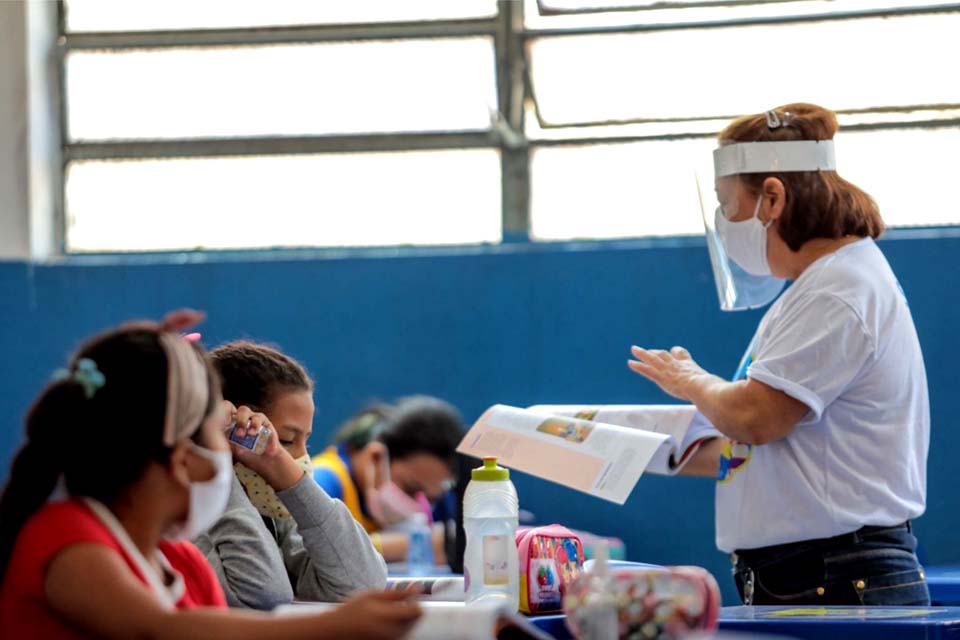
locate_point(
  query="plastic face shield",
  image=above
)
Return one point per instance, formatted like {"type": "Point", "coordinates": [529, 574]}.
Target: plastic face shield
{"type": "Point", "coordinates": [738, 290]}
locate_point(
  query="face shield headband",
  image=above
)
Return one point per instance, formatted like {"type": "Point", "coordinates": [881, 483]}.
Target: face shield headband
{"type": "Point", "coordinates": [774, 157]}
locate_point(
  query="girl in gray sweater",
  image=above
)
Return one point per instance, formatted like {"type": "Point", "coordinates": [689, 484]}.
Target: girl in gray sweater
{"type": "Point", "coordinates": [281, 537]}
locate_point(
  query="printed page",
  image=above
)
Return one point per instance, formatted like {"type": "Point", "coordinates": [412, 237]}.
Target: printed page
{"type": "Point", "coordinates": [686, 427]}
{"type": "Point", "coordinates": [670, 419]}
{"type": "Point", "coordinates": [444, 620]}
{"type": "Point", "coordinates": [601, 459]}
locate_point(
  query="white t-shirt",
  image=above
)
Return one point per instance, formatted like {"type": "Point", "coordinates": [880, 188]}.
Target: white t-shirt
{"type": "Point", "coordinates": [842, 341]}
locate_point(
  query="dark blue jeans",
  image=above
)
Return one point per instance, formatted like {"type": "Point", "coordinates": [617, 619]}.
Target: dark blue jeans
{"type": "Point", "coordinates": [872, 566]}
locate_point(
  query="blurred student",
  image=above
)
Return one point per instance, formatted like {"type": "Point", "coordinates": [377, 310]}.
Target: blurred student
{"type": "Point", "coordinates": [281, 537]}
{"type": "Point", "coordinates": [390, 462]}
{"type": "Point", "coordinates": [132, 434]}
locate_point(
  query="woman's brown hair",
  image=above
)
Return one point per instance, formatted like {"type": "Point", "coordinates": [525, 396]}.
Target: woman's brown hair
{"type": "Point", "coordinates": [819, 204]}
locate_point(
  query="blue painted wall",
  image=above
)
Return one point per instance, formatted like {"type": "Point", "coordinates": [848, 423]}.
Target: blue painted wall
{"type": "Point", "coordinates": [518, 324]}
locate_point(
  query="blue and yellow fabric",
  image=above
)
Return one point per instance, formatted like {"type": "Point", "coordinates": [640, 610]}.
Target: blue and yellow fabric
{"type": "Point", "coordinates": [333, 472]}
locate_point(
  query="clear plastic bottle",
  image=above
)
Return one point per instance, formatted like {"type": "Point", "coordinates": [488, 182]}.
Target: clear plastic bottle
{"type": "Point", "coordinates": [419, 546]}
{"type": "Point", "coordinates": [490, 515]}
{"type": "Point", "coordinates": [599, 619]}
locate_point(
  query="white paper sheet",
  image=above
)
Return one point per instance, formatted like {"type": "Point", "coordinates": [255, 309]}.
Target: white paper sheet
{"type": "Point", "coordinates": [444, 620]}
{"type": "Point", "coordinates": [596, 457]}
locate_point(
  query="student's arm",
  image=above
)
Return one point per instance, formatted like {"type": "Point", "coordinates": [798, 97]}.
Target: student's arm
{"type": "Point", "coordinates": [90, 587]}
{"type": "Point", "coordinates": [327, 553]}
{"type": "Point", "coordinates": [245, 556]}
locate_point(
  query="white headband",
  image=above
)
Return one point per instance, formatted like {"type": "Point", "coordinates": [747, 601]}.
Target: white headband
{"type": "Point", "coordinates": [188, 390]}
{"type": "Point", "coordinates": [774, 157]}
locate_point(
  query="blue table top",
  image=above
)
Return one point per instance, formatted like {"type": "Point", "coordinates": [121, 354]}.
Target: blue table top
{"type": "Point", "coordinates": [553, 625]}
{"type": "Point", "coordinates": [846, 623]}
{"type": "Point", "coordinates": [944, 583]}
{"type": "Point", "coordinates": [399, 570]}
{"type": "Point", "coordinates": [823, 623]}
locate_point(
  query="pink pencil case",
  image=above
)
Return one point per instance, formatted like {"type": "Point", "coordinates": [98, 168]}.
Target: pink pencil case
{"type": "Point", "coordinates": [667, 602]}
{"type": "Point", "coordinates": [551, 557]}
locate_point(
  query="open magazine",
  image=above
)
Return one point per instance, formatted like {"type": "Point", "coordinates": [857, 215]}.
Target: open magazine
{"type": "Point", "coordinates": [452, 621]}
{"type": "Point", "coordinates": [601, 450]}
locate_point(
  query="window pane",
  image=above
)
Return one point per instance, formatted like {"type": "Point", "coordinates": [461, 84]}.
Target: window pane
{"type": "Point", "coordinates": [627, 5]}
{"type": "Point", "coordinates": [686, 11]}
{"type": "Point", "coordinates": [414, 85]}
{"type": "Point", "coordinates": [648, 188]}
{"type": "Point", "coordinates": [439, 197]}
{"type": "Point", "coordinates": [912, 174]}
{"type": "Point", "coordinates": [616, 190]}
{"type": "Point", "coordinates": [144, 15]}
{"type": "Point", "coordinates": [725, 72]}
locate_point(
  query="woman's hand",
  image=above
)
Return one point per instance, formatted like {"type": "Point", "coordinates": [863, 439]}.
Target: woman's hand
{"type": "Point", "coordinates": [376, 615]}
{"type": "Point", "coordinates": [275, 464]}
{"type": "Point", "coordinates": [673, 371]}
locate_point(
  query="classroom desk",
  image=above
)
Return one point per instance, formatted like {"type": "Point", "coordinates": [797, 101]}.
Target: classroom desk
{"type": "Point", "coordinates": [399, 570]}
{"type": "Point", "coordinates": [847, 623]}
{"type": "Point", "coordinates": [832, 623]}
{"type": "Point", "coordinates": [944, 583]}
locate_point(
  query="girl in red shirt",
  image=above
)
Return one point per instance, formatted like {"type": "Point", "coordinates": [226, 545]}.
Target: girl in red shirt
{"type": "Point", "coordinates": [132, 436]}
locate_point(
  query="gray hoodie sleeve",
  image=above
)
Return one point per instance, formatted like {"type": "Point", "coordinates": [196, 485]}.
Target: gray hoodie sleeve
{"type": "Point", "coordinates": [245, 556]}
{"type": "Point", "coordinates": [327, 553]}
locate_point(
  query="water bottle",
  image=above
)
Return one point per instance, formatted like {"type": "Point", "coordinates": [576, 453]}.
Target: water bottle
{"type": "Point", "coordinates": [490, 513]}
{"type": "Point", "coordinates": [598, 615]}
{"type": "Point", "coordinates": [420, 547]}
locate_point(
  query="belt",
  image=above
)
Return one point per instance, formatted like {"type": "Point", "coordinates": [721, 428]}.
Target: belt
{"type": "Point", "coordinates": [752, 556]}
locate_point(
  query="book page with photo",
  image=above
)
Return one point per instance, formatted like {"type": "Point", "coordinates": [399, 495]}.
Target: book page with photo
{"type": "Point", "coordinates": [600, 450]}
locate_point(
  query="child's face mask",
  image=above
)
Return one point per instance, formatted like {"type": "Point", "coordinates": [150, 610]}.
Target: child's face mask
{"type": "Point", "coordinates": [261, 494]}
{"type": "Point", "coordinates": [208, 498]}
{"type": "Point", "coordinates": [389, 505]}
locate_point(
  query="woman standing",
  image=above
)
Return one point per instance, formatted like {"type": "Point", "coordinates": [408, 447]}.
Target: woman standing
{"type": "Point", "coordinates": [821, 458]}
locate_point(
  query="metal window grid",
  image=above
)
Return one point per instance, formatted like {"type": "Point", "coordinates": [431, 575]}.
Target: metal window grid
{"type": "Point", "coordinates": [515, 91]}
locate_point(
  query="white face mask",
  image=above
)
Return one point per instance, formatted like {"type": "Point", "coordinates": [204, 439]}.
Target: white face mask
{"type": "Point", "coordinates": [746, 241]}
{"type": "Point", "coordinates": [207, 499]}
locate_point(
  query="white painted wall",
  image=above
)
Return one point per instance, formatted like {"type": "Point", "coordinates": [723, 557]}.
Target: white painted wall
{"type": "Point", "coordinates": [29, 130]}
{"type": "Point", "coordinates": [14, 125]}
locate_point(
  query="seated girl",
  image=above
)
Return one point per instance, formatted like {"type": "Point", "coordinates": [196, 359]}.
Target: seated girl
{"type": "Point", "coordinates": [132, 435]}
{"type": "Point", "coordinates": [391, 461]}
{"type": "Point", "coordinates": [281, 537]}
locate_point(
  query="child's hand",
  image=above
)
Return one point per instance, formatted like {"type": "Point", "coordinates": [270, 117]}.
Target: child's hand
{"type": "Point", "coordinates": [229, 411]}
{"type": "Point", "coordinates": [274, 465]}
{"type": "Point", "coordinates": [377, 615]}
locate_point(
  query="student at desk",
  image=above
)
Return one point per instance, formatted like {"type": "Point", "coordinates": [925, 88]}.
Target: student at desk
{"type": "Point", "coordinates": [823, 434]}
{"type": "Point", "coordinates": [132, 433]}
{"type": "Point", "coordinates": [281, 537]}
{"type": "Point", "coordinates": [391, 461]}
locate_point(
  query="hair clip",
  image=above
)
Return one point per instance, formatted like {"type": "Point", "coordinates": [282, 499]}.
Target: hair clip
{"type": "Point", "coordinates": [773, 120]}
{"type": "Point", "coordinates": [85, 374]}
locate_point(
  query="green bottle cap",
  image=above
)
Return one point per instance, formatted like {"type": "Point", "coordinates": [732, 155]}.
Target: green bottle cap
{"type": "Point", "coordinates": [490, 472]}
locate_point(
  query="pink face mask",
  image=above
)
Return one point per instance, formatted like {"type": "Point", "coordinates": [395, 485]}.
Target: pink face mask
{"type": "Point", "coordinates": [390, 505]}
